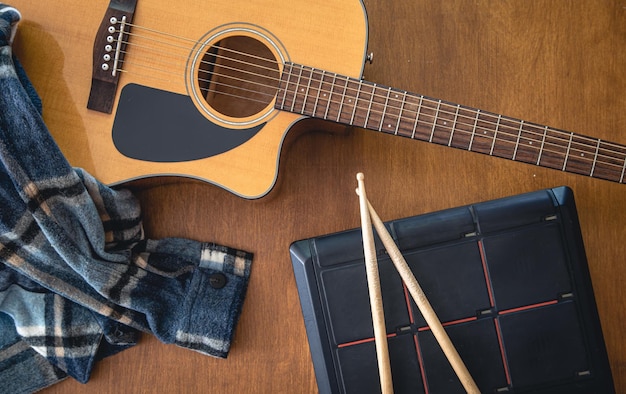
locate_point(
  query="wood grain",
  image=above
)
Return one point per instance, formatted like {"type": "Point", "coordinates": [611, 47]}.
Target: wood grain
{"type": "Point", "coordinates": [374, 290]}
{"type": "Point", "coordinates": [424, 306]}
{"type": "Point", "coordinates": [555, 63]}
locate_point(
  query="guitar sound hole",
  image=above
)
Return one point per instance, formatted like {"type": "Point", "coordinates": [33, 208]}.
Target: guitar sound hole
{"type": "Point", "coordinates": [238, 76]}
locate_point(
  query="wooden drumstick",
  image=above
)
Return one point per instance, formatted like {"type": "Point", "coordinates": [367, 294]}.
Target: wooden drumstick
{"type": "Point", "coordinates": [422, 303]}
{"type": "Point", "coordinates": [373, 285]}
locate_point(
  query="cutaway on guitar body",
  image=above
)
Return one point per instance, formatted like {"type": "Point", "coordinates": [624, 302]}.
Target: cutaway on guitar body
{"type": "Point", "coordinates": [194, 94]}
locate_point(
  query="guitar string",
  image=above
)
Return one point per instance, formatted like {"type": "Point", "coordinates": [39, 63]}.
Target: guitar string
{"type": "Point", "coordinates": [204, 80]}
{"type": "Point", "coordinates": [248, 98]}
{"type": "Point", "coordinates": [209, 90]}
{"type": "Point", "coordinates": [400, 117]}
{"type": "Point", "coordinates": [187, 50]}
{"type": "Point", "coordinates": [518, 129]}
{"type": "Point", "coordinates": [257, 57]}
{"type": "Point", "coordinates": [373, 94]}
{"type": "Point", "coordinates": [217, 56]}
{"type": "Point", "coordinates": [456, 128]}
{"type": "Point", "coordinates": [144, 47]}
{"type": "Point", "coordinates": [618, 169]}
{"type": "Point", "coordinates": [189, 40]}
{"type": "Point", "coordinates": [313, 71]}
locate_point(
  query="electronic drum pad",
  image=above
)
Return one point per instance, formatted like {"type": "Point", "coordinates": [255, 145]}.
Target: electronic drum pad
{"type": "Point", "coordinates": [508, 279]}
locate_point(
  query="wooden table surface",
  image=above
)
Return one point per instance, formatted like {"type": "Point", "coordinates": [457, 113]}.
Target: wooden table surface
{"type": "Point", "coordinates": [560, 63]}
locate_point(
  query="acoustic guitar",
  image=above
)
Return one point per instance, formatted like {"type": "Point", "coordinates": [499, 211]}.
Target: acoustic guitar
{"type": "Point", "coordinates": [209, 90]}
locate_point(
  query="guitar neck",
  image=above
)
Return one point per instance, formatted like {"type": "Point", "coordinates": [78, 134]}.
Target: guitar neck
{"type": "Point", "coordinates": [354, 102]}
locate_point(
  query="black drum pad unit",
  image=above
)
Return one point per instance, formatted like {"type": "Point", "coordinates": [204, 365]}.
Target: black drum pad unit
{"type": "Point", "coordinates": [508, 279]}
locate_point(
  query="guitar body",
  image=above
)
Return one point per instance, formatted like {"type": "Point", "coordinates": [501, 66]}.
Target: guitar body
{"type": "Point", "coordinates": [166, 118]}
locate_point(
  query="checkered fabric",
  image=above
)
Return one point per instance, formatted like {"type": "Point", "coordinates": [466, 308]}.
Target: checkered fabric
{"type": "Point", "coordinates": [78, 279]}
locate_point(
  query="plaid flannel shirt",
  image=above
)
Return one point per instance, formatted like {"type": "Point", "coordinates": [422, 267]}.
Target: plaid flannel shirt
{"type": "Point", "coordinates": [78, 280]}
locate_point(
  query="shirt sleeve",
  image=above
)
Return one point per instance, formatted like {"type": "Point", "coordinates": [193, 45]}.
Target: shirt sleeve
{"type": "Point", "coordinates": [84, 242]}
{"type": "Point", "coordinates": [22, 369]}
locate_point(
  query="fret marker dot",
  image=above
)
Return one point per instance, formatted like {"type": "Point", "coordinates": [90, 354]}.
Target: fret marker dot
{"type": "Point", "coordinates": [445, 123]}
{"type": "Point", "coordinates": [530, 142]}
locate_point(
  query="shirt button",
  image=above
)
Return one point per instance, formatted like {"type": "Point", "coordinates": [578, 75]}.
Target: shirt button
{"type": "Point", "coordinates": [217, 281]}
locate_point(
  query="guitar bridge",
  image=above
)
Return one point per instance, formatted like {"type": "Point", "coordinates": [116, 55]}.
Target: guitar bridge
{"type": "Point", "coordinates": [108, 54]}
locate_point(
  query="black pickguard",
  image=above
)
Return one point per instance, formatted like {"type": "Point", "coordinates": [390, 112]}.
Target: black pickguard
{"type": "Point", "coordinates": [161, 126]}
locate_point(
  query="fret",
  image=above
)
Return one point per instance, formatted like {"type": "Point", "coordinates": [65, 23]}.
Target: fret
{"type": "Point", "coordinates": [504, 145]}
{"type": "Point", "coordinates": [319, 93]}
{"type": "Point", "coordinates": [348, 112]}
{"type": "Point", "coordinates": [288, 74]}
{"type": "Point", "coordinates": [543, 142]}
{"type": "Point", "coordinates": [519, 136]}
{"type": "Point", "coordinates": [326, 92]}
{"type": "Point", "coordinates": [442, 129]}
{"type": "Point", "coordinates": [330, 95]}
{"type": "Point", "coordinates": [356, 102]}
{"type": "Point", "coordinates": [474, 130]}
{"type": "Point", "coordinates": [579, 161]}
{"type": "Point", "coordinates": [400, 113]}
{"type": "Point", "coordinates": [417, 117]}
{"type": "Point", "coordinates": [343, 99]}
{"type": "Point", "coordinates": [456, 115]}
{"type": "Point", "coordinates": [595, 158]}
{"type": "Point", "coordinates": [382, 117]}
{"type": "Point", "coordinates": [392, 116]}
{"type": "Point", "coordinates": [369, 107]}
{"type": "Point", "coordinates": [297, 87]}
{"type": "Point", "coordinates": [292, 90]}
{"type": "Point", "coordinates": [482, 138]}
{"type": "Point", "coordinates": [306, 93]}
{"type": "Point", "coordinates": [495, 135]}
{"type": "Point", "coordinates": [319, 90]}
{"type": "Point", "coordinates": [528, 149]}
{"type": "Point", "coordinates": [610, 161]}
{"type": "Point", "coordinates": [569, 147]}
{"type": "Point", "coordinates": [432, 132]}
{"type": "Point", "coordinates": [552, 150]}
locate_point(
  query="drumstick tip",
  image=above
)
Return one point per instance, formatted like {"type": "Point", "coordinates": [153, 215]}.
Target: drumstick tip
{"type": "Point", "coordinates": [360, 176]}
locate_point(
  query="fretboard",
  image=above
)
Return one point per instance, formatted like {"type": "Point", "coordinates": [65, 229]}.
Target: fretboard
{"type": "Point", "coordinates": [324, 95]}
